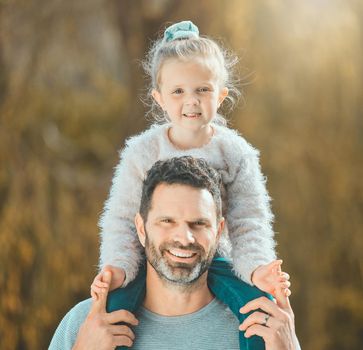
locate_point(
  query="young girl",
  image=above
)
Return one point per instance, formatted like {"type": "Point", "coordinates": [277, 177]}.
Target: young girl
{"type": "Point", "coordinates": [190, 79]}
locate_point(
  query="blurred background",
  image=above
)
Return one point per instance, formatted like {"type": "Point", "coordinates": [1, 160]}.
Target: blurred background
{"type": "Point", "coordinates": [70, 87]}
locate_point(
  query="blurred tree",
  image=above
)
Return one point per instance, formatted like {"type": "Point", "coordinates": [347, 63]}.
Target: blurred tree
{"type": "Point", "coordinates": [3, 73]}
{"type": "Point", "coordinates": [70, 82]}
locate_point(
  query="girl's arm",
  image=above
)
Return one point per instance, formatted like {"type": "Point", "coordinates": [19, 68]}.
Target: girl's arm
{"type": "Point", "coordinates": [120, 246]}
{"type": "Point", "coordinates": [249, 218]}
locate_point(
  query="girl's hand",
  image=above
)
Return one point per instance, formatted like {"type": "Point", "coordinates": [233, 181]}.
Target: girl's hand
{"type": "Point", "coordinates": [270, 279]}
{"type": "Point", "coordinates": [98, 284]}
{"type": "Point", "coordinates": [271, 320]}
{"type": "Point", "coordinates": [101, 329]}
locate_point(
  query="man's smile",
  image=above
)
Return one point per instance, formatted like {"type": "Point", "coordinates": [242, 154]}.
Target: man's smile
{"type": "Point", "coordinates": [181, 255]}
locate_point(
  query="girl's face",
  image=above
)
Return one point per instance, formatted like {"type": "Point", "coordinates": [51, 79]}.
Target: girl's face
{"type": "Point", "coordinates": [189, 93]}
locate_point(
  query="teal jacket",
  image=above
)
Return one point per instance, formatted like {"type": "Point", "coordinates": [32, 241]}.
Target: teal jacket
{"type": "Point", "coordinates": [221, 281]}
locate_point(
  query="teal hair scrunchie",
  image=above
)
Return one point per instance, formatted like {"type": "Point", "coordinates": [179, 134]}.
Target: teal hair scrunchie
{"type": "Point", "coordinates": [184, 29]}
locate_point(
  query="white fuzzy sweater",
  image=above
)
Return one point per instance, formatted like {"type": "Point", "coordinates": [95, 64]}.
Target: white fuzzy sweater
{"type": "Point", "coordinates": [245, 203]}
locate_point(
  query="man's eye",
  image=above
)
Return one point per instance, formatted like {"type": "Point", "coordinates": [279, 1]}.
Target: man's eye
{"type": "Point", "coordinates": [166, 221]}
{"type": "Point", "coordinates": [199, 223]}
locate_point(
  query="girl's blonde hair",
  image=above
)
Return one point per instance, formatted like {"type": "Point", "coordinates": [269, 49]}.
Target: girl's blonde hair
{"type": "Point", "coordinates": [194, 47]}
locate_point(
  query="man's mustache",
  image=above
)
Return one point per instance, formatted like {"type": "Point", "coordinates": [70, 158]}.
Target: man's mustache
{"type": "Point", "coordinates": [191, 247]}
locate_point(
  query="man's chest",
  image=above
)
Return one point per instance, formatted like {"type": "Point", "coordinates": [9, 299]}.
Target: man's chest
{"type": "Point", "coordinates": [216, 329]}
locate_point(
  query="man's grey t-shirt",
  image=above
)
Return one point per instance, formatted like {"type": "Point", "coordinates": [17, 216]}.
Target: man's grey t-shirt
{"type": "Point", "coordinates": [212, 327]}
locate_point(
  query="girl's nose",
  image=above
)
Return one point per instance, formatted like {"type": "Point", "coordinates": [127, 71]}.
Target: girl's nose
{"type": "Point", "coordinates": [191, 100]}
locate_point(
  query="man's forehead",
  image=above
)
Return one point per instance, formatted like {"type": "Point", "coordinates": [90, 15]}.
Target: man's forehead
{"type": "Point", "coordinates": [183, 198]}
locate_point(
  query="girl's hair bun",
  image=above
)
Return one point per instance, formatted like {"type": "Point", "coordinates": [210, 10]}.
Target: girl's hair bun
{"type": "Point", "coordinates": [181, 30]}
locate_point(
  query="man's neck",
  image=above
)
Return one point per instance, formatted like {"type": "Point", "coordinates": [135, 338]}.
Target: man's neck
{"type": "Point", "coordinates": [165, 298]}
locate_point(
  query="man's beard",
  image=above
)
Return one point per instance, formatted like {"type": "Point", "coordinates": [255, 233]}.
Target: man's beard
{"type": "Point", "coordinates": [178, 273]}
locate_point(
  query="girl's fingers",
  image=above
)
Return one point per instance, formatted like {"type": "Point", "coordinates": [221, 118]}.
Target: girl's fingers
{"type": "Point", "coordinates": [282, 299]}
{"type": "Point", "coordinates": [284, 285]}
{"type": "Point", "coordinates": [287, 292]}
{"type": "Point", "coordinates": [280, 280]}
{"type": "Point", "coordinates": [99, 305]}
{"type": "Point", "coordinates": [285, 276]}
{"type": "Point", "coordinates": [94, 295]}
{"type": "Point", "coordinates": [96, 290]}
{"type": "Point", "coordinates": [99, 284]}
{"type": "Point", "coordinates": [98, 277]}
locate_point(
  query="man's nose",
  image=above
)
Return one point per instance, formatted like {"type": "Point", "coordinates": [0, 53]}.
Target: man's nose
{"type": "Point", "coordinates": [184, 235]}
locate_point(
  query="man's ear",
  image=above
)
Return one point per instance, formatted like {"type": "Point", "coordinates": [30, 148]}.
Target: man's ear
{"type": "Point", "coordinates": [220, 227]}
{"type": "Point", "coordinates": [222, 95]}
{"type": "Point", "coordinates": [140, 228]}
{"type": "Point", "coordinates": [157, 97]}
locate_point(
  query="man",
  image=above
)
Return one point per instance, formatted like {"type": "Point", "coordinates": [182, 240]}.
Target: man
{"type": "Point", "coordinates": [180, 305]}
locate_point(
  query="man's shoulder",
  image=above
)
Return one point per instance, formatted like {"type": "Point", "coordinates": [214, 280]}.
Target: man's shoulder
{"type": "Point", "coordinates": [80, 310]}
{"type": "Point", "coordinates": [227, 287]}
{"type": "Point", "coordinates": [66, 332]}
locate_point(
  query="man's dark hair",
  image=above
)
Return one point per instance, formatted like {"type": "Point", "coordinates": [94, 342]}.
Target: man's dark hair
{"type": "Point", "coordinates": [186, 170]}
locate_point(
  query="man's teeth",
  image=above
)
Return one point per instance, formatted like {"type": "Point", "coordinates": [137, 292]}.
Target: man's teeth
{"type": "Point", "coordinates": [180, 254]}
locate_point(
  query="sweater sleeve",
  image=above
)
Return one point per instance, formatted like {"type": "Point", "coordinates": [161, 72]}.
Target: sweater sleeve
{"type": "Point", "coordinates": [120, 245]}
{"type": "Point", "coordinates": [66, 333]}
{"type": "Point", "coordinates": [249, 217]}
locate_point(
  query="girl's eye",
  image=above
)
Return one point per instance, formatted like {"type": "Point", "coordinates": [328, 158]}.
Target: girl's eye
{"type": "Point", "coordinates": [204, 89]}
{"type": "Point", "coordinates": [178, 91]}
